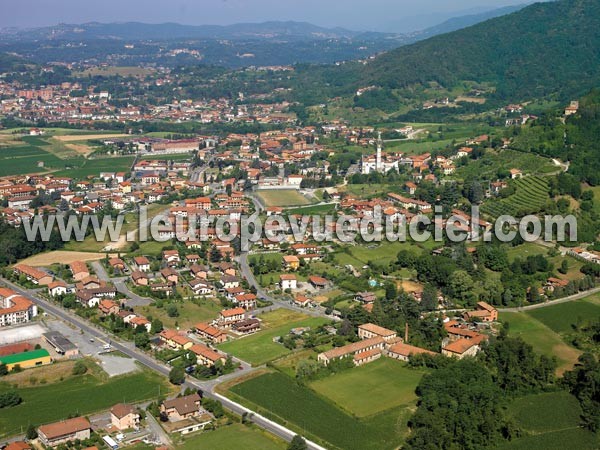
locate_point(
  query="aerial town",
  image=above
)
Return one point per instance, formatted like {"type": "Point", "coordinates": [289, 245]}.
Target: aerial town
{"type": "Point", "coordinates": [207, 245]}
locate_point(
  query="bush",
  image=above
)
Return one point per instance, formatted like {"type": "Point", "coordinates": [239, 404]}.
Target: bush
{"type": "Point", "coordinates": [10, 398]}
{"type": "Point", "coordinates": [79, 368]}
{"type": "Point", "coordinates": [177, 375]}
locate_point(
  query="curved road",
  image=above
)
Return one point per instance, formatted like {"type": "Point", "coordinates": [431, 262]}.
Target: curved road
{"type": "Point", "coordinates": [247, 273]}
{"type": "Point", "coordinates": [129, 350]}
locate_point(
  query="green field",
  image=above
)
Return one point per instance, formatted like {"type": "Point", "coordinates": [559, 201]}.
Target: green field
{"type": "Point", "coordinates": [189, 313]}
{"type": "Point", "coordinates": [563, 317]}
{"type": "Point", "coordinates": [36, 154]}
{"type": "Point", "coordinates": [259, 348]}
{"type": "Point", "coordinates": [79, 395]}
{"type": "Point", "coordinates": [87, 167]}
{"type": "Point", "coordinates": [380, 253]}
{"type": "Point", "coordinates": [24, 159]}
{"type": "Point", "coordinates": [550, 421]}
{"type": "Point", "coordinates": [372, 388]}
{"type": "Point", "coordinates": [530, 197]}
{"type": "Point", "coordinates": [284, 198]}
{"type": "Point", "coordinates": [315, 416]}
{"type": "Point", "coordinates": [543, 339]}
{"type": "Point", "coordinates": [231, 437]}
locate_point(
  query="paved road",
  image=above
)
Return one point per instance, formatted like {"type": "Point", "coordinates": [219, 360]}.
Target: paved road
{"type": "Point", "coordinates": [261, 293]}
{"type": "Point", "coordinates": [120, 283]}
{"type": "Point", "coordinates": [129, 350]}
{"type": "Point", "coordinates": [570, 298]}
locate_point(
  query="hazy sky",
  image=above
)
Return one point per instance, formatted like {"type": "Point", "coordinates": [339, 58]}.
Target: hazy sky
{"type": "Point", "coordinates": [376, 15]}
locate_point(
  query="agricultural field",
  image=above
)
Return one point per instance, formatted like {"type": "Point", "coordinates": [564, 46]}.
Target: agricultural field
{"type": "Point", "coordinates": [372, 388]}
{"type": "Point", "coordinates": [56, 153]}
{"type": "Point", "coordinates": [543, 339]}
{"type": "Point", "coordinates": [317, 417]}
{"type": "Point", "coordinates": [259, 348]}
{"type": "Point", "coordinates": [27, 158]}
{"type": "Point", "coordinates": [284, 198]}
{"type": "Point", "coordinates": [550, 422]}
{"type": "Point", "coordinates": [233, 436]}
{"type": "Point", "coordinates": [562, 318]}
{"type": "Point", "coordinates": [61, 257]}
{"type": "Point", "coordinates": [78, 395]}
{"type": "Point", "coordinates": [530, 197]}
{"type": "Point", "coordinates": [86, 167]}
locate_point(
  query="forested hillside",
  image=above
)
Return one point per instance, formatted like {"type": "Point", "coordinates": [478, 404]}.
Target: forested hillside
{"type": "Point", "coordinates": [542, 49]}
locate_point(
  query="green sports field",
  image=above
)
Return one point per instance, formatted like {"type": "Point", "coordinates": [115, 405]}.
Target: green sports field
{"type": "Point", "coordinates": [372, 388]}
{"type": "Point", "coordinates": [283, 198]}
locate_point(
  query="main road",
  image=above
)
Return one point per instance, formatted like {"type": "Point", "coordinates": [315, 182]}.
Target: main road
{"type": "Point", "coordinates": [570, 298]}
{"type": "Point", "coordinates": [207, 387]}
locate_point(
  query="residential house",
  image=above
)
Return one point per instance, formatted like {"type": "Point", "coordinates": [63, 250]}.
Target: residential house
{"type": "Point", "coordinates": [116, 264]}
{"type": "Point", "coordinates": [246, 326]}
{"type": "Point", "coordinates": [366, 297]}
{"type": "Point", "coordinates": [79, 270]}
{"type": "Point", "coordinates": [302, 301]}
{"type": "Point", "coordinates": [210, 333]}
{"type": "Point", "coordinates": [246, 301]}
{"type": "Point", "coordinates": [199, 271]}
{"type": "Point", "coordinates": [33, 275]}
{"type": "Point", "coordinates": [200, 287]}
{"type": "Point", "coordinates": [54, 434]}
{"type": "Point", "coordinates": [288, 282]}
{"type": "Point", "coordinates": [142, 263]}
{"type": "Point", "coordinates": [227, 317]}
{"type": "Point", "coordinates": [124, 417]}
{"type": "Point", "coordinates": [207, 356]}
{"type": "Point", "coordinates": [291, 262]}
{"type": "Point", "coordinates": [171, 258]}
{"type": "Point", "coordinates": [181, 408]}
{"type": "Point", "coordinates": [175, 340]}
{"type": "Point", "coordinates": [170, 274]}
{"type": "Point", "coordinates": [140, 278]}
{"type": "Point", "coordinates": [108, 307]}
{"type": "Point", "coordinates": [57, 288]}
